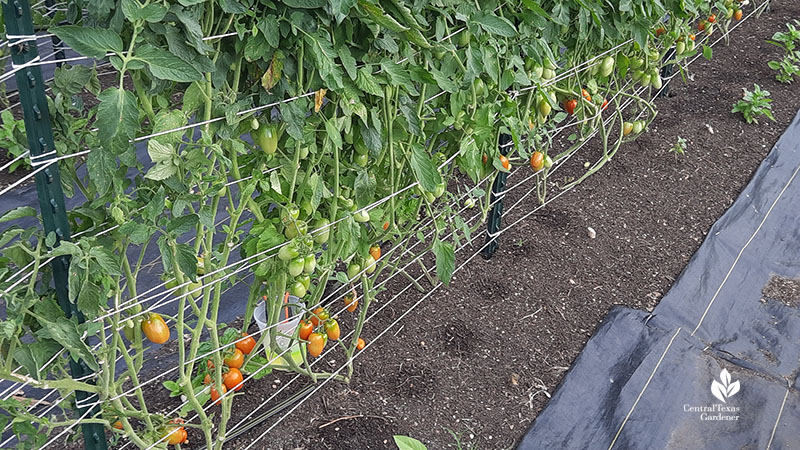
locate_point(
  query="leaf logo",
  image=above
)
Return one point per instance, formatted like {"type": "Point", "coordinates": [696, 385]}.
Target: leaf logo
{"type": "Point", "coordinates": [724, 389]}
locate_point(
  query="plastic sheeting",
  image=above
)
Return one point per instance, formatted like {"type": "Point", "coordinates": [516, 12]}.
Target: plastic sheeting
{"type": "Point", "coordinates": [716, 364]}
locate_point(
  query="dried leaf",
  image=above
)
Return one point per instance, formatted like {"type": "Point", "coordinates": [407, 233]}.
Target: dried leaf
{"type": "Point", "coordinates": [319, 96]}
{"type": "Point", "coordinates": [273, 73]}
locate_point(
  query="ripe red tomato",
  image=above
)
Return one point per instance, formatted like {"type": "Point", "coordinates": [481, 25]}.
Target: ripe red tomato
{"type": "Point", "coordinates": [702, 25]}
{"type": "Point", "coordinates": [215, 396]}
{"type": "Point", "coordinates": [315, 344]}
{"type": "Point", "coordinates": [712, 18]}
{"type": "Point", "coordinates": [485, 159]}
{"type": "Point", "coordinates": [361, 344]}
{"type": "Point", "coordinates": [537, 161]}
{"type": "Point", "coordinates": [155, 329]}
{"type": "Point", "coordinates": [570, 106]}
{"type": "Point", "coordinates": [233, 379]}
{"type": "Point", "coordinates": [306, 328]}
{"type": "Point", "coordinates": [605, 105]}
{"type": "Point", "coordinates": [246, 344]}
{"type": "Point", "coordinates": [504, 162]}
{"type": "Point", "coordinates": [660, 31]}
{"type": "Point", "coordinates": [235, 359]}
{"type": "Point", "coordinates": [375, 251]}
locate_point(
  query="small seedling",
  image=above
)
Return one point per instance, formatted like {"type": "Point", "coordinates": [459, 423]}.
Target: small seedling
{"type": "Point", "coordinates": [789, 66]}
{"type": "Point", "coordinates": [679, 148]}
{"type": "Point", "coordinates": [754, 104]}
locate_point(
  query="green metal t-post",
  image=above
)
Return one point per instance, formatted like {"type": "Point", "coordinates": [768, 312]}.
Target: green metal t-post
{"type": "Point", "coordinates": [24, 55]}
{"type": "Point", "coordinates": [496, 198]}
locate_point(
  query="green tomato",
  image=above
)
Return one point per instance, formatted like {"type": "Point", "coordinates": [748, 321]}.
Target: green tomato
{"type": "Point", "coordinates": [360, 147]}
{"type": "Point", "coordinates": [295, 228]}
{"type": "Point", "coordinates": [305, 279]}
{"type": "Point", "coordinates": [439, 190]}
{"type": "Point", "coordinates": [288, 252]}
{"type": "Point", "coordinates": [309, 263]}
{"type": "Point", "coordinates": [480, 87]}
{"type": "Point", "coordinates": [530, 63]}
{"type": "Point", "coordinates": [645, 81]}
{"type": "Point", "coordinates": [321, 237]}
{"type": "Point", "coordinates": [638, 127]}
{"type": "Point", "coordinates": [656, 81]}
{"type": "Point", "coordinates": [544, 108]}
{"type": "Point", "coordinates": [439, 53]}
{"type": "Point", "coordinates": [303, 152]}
{"type": "Point", "coordinates": [353, 270]}
{"type": "Point", "coordinates": [289, 213]}
{"type": "Point", "coordinates": [469, 202]}
{"type": "Point", "coordinates": [607, 66]}
{"type": "Point", "coordinates": [548, 74]}
{"type": "Point", "coordinates": [680, 48]}
{"type": "Point", "coordinates": [296, 266]}
{"type": "Point", "coordinates": [361, 216]}
{"type": "Point", "coordinates": [548, 162]}
{"type": "Point", "coordinates": [369, 263]}
{"type": "Point", "coordinates": [537, 72]}
{"type": "Point", "coordinates": [654, 55]}
{"type": "Point", "coordinates": [298, 289]}
{"type": "Point", "coordinates": [637, 75]}
{"type": "Point", "coordinates": [129, 328]}
{"type": "Point", "coordinates": [267, 138]}
{"type": "Point", "coordinates": [549, 64]}
{"type": "Point", "coordinates": [464, 38]}
{"type": "Point", "coordinates": [361, 160]}
{"type": "Point", "coordinates": [636, 63]}
{"type": "Point", "coordinates": [254, 124]}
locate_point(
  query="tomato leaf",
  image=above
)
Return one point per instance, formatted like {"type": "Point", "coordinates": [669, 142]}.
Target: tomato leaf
{"type": "Point", "coordinates": [102, 165]}
{"type": "Point", "coordinates": [424, 169]}
{"type": "Point", "coordinates": [117, 114]}
{"type": "Point", "coordinates": [18, 213]}
{"type": "Point", "coordinates": [91, 42]}
{"type": "Point", "coordinates": [182, 224]}
{"type": "Point", "coordinates": [445, 260]}
{"type": "Point", "coordinates": [496, 25]}
{"type": "Point", "coordinates": [708, 52]}
{"type": "Point", "coordinates": [324, 56]}
{"type": "Point", "coordinates": [166, 66]}
{"type": "Point", "coordinates": [34, 356]}
{"type": "Point", "coordinates": [364, 188]}
{"type": "Point", "coordinates": [65, 332]}
{"type": "Point", "coordinates": [341, 8]}
{"type": "Point", "coordinates": [187, 260]}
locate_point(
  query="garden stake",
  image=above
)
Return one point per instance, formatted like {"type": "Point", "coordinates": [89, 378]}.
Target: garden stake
{"type": "Point", "coordinates": [498, 192]}
{"type": "Point", "coordinates": [19, 28]}
{"type": "Point", "coordinates": [666, 72]}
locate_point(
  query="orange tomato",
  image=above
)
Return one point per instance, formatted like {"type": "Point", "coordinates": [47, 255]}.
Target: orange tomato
{"type": "Point", "coordinates": [360, 345]}
{"type": "Point", "coordinates": [315, 344]}
{"type": "Point", "coordinates": [351, 301]}
{"type": "Point", "coordinates": [692, 36]}
{"type": "Point", "coordinates": [233, 379]}
{"type": "Point", "coordinates": [537, 161]}
{"type": "Point", "coordinates": [375, 251]}
{"type": "Point", "coordinates": [235, 359]}
{"type": "Point", "coordinates": [117, 425]}
{"type": "Point", "coordinates": [504, 162]}
{"type": "Point", "coordinates": [207, 379]}
{"type": "Point", "coordinates": [332, 329]}
{"type": "Point", "coordinates": [306, 328]}
{"type": "Point", "coordinates": [155, 329]}
{"type": "Point", "coordinates": [318, 313]}
{"type": "Point", "coordinates": [586, 95]}
{"type": "Point", "coordinates": [215, 395]}
{"type": "Point", "coordinates": [246, 344]}
{"type": "Point", "coordinates": [738, 14]}
{"type": "Point", "coordinates": [385, 225]}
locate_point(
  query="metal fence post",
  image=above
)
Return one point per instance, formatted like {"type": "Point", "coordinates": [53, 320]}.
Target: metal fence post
{"type": "Point", "coordinates": [498, 192]}
{"type": "Point", "coordinates": [666, 72]}
{"type": "Point", "coordinates": [24, 55]}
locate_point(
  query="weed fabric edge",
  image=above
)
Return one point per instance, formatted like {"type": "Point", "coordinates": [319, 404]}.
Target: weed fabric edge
{"type": "Point", "coordinates": [717, 361]}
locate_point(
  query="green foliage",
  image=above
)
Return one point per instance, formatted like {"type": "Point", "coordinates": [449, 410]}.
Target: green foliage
{"type": "Point", "coordinates": [679, 148]}
{"type": "Point", "coordinates": [789, 66]}
{"type": "Point", "coordinates": [754, 104]}
{"type": "Point", "coordinates": [12, 139]}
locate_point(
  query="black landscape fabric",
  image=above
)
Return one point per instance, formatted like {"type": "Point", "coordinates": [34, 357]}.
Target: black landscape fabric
{"type": "Point", "coordinates": [716, 364]}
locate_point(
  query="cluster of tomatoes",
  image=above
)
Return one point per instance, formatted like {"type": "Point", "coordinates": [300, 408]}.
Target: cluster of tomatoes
{"type": "Point", "coordinates": [368, 264]}
{"type": "Point", "coordinates": [298, 254]}
{"type": "Point", "coordinates": [232, 375]}
{"type": "Point", "coordinates": [319, 327]}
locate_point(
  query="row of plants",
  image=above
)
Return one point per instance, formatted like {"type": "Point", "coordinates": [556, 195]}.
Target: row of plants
{"type": "Point", "coordinates": [289, 156]}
